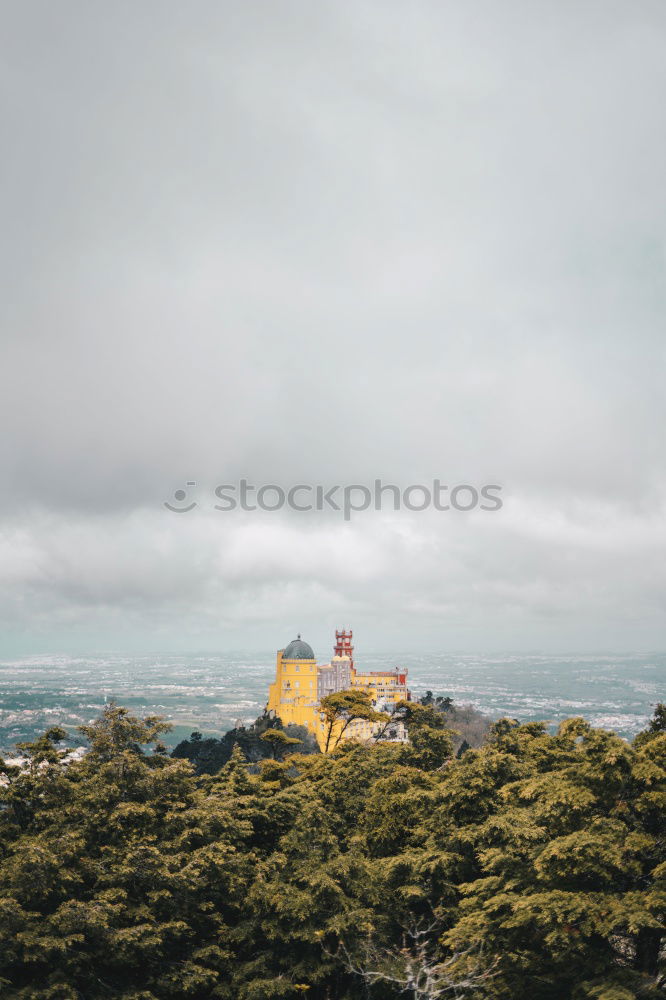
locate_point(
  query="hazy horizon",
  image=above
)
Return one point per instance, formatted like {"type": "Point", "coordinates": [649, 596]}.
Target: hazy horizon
{"type": "Point", "coordinates": [212, 692]}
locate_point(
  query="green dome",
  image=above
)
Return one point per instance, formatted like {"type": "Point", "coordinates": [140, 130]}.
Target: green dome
{"type": "Point", "coordinates": [298, 650]}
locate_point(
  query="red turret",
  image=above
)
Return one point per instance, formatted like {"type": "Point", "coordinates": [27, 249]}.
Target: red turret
{"type": "Point", "coordinates": [343, 645]}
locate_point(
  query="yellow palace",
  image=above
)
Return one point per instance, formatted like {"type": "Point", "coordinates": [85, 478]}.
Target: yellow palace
{"type": "Point", "coordinates": [300, 684]}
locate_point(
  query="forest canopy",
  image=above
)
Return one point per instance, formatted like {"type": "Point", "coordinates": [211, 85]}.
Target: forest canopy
{"type": "Point", "coordinates": [532, 867]}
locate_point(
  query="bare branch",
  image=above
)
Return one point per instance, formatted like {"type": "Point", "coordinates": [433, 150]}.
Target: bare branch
{"type": "Point", "coordinates": [414, 968]}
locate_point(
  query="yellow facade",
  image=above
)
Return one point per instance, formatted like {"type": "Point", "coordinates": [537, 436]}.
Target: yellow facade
{"type": "Point", "coordinates": [293, 695]}
{"type": "Point", "coordinates": [382, 687]}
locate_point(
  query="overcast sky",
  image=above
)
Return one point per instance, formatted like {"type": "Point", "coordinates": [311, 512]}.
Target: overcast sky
{"type": "Point", "coordinates": [324, 243]}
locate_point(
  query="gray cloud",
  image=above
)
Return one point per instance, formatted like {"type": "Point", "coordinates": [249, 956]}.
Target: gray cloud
{"type": "Point", "coordinates": [325, 243]}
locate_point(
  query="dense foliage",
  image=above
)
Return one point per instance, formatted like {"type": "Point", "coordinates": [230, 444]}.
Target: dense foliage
{"type": "Point", "coordinates": [532, 868]}
{"type": "Point", "coordinates": [209, 754]}
{"type": "Point", "coordinates": [469, 727]}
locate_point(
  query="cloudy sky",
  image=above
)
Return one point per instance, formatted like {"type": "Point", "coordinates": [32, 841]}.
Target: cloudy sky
{"type": "Point", "coordinates": [326, 243]}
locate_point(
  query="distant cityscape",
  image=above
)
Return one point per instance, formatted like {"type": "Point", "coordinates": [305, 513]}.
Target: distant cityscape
{"type": "Point", "coordinates": [212, 693]}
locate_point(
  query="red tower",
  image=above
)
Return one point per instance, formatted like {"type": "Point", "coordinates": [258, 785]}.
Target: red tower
{"type": "Point", "coordinates": [343, 645]}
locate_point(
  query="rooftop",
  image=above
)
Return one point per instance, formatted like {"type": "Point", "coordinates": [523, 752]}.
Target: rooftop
{"type": "Point", "coordinates": [298, 649]}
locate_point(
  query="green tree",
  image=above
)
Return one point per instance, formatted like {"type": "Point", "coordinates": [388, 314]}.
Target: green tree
{"type": "Point", "coordinates": [343, 708]}
{"type": "Point", "coordinates": [279, 742]}
{"type": "Point", "coordinates": [121, 879]}
{"type": "Point", "coordinates": [568, 890]}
